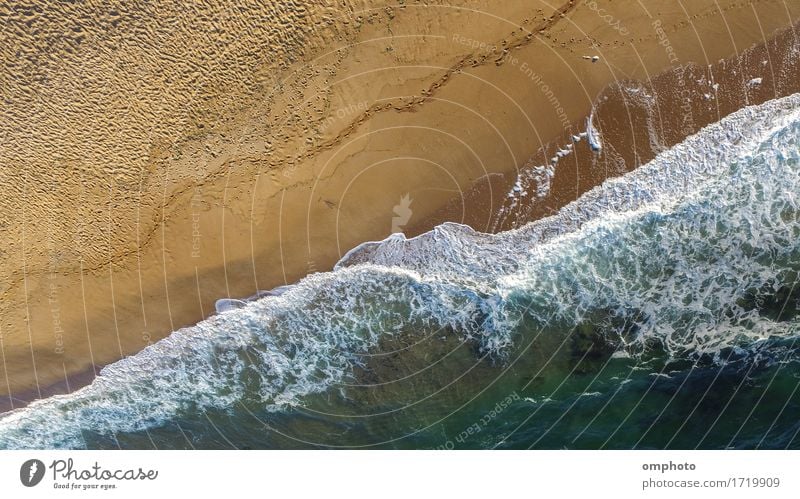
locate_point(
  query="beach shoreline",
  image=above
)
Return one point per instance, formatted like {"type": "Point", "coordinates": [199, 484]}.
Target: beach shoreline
{"type": "Point", "coordinates": [214, 217]}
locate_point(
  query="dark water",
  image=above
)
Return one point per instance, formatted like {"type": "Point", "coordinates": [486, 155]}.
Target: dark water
{"type": "Point", "coordinates": [751, 402]}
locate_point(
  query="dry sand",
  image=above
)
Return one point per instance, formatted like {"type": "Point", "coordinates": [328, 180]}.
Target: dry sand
{"type": "Point", "coordinates": [157, 158]}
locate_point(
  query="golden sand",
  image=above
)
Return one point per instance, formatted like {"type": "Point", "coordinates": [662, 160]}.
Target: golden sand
{"type": "Point", "coordinates": [158, 159]}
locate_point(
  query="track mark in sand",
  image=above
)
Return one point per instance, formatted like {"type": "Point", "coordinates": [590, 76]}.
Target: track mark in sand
{"type": "Point", "coordinates": [411, 104]}
{"type": "Point", "coordinates": [404, 105]}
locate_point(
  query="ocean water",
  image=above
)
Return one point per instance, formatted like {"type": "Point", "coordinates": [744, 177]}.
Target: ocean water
{"type": "Point", "coordinates": [660, 310]}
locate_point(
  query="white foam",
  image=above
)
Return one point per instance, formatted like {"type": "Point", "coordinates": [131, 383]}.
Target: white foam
{"type": "Point", "coordinates": [592, 135]}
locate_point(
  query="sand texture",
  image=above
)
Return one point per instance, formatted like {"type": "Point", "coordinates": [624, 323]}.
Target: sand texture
{"type": "Point", "coordinates": [156, 157]}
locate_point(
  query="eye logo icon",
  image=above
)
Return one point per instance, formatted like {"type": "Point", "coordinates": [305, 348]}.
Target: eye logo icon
{"type": "Point", "coordinates": [31, 472]}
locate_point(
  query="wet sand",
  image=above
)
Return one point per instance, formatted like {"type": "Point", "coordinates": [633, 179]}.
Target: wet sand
{"type": "Point", "coordinates": [175, 169]}
{"type": "Point", "coordinates": [636, 120]}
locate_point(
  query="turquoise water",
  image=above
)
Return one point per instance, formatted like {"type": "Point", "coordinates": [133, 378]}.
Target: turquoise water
{"type": "Point", "coordinates": [659, 310]}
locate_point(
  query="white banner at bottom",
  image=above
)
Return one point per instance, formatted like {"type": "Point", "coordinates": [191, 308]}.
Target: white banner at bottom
{"type": "Point", "coordinates": [390, 474]}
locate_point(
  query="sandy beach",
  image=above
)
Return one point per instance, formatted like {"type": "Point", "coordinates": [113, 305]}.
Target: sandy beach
{"type": "Point", "coordinates": [154, 160]}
